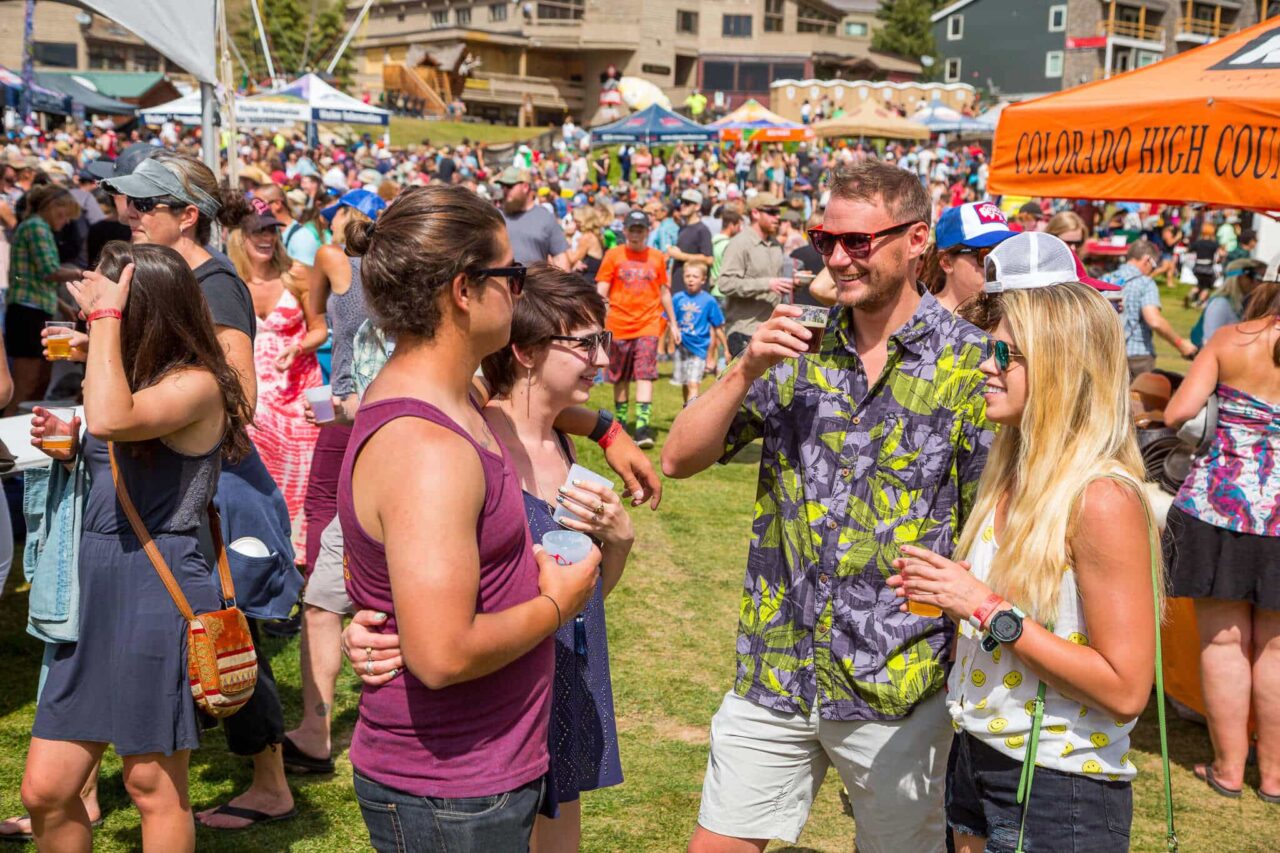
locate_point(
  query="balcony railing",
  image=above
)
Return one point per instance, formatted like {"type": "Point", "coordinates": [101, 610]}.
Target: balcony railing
{"type": "Point", "coordinates": [1201, 27]}
{"type": "Point", "coordinates": [1132, 29]}
{"type": "Point", "coordinates": [550, 92]}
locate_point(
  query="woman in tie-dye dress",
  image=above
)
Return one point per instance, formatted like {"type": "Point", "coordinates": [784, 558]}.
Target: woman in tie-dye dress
{"type": "Point", "coordinates": [1222, 542]}
{"type": "Point", "coordinates": [284, 356]}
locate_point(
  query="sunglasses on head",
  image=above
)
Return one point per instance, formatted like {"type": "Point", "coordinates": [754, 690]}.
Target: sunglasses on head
{"type": "Point", "coordinates": [856, 244]}
{"type": "Point", "coordinates": [592, 345]}
{"type": "Point", "coordinates": [1004, 354]}
{"type": "Point", "coordinates": [514, 275]}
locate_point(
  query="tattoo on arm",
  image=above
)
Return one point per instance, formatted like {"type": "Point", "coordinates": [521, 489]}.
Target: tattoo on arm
{"type": "Point", "coordinates": [322, 709]}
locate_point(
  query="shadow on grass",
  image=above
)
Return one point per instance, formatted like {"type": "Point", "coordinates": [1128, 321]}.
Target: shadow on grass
{"type": "Point", "coordinates": [1188, 741]}
{"type": "Point", "coordinates": [20, 651]}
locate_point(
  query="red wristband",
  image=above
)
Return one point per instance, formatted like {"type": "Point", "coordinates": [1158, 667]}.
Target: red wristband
{"type": "Point", "coordinates": [610, 434]}
{"type": "Point", "coordinates": [985, 609]}
{"type": "Point", "coordinates": [103, 312]}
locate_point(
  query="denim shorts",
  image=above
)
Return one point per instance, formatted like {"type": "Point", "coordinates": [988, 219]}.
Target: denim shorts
{"type": "Point", "coordinates": [400, 822]}
{"type": "Point", "coordinates": [1067, 811]}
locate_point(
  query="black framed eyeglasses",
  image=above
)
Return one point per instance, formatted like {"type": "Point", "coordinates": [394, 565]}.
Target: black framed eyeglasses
{"type": "Point", "coordinates": [592, 345]}
{"type": "Point", "coordinates": [856, 244]}
{"type": "Point", "coordinates": [1004, 354]}
{"type": "Point", "coordinates": [514, 275]}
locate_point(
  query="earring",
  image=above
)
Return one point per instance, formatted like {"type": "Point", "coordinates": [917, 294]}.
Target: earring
{"type": "Point", "coordinates": [528, 393]}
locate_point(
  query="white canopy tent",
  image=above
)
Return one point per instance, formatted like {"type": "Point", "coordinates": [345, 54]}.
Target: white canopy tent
{"type": "Point", "coordinates": [309, 100]}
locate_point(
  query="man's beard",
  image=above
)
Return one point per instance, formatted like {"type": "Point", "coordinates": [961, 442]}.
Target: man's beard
{"type": "Point", "coordinates": [512, 206]}
{"type": "Point", "coordinates": [877, 291]}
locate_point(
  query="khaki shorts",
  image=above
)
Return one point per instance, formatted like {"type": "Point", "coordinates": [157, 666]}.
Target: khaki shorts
{"type": "Point", "coordinates": [766, 767]}
{"type": "Point", "coordinates": [327, 586]}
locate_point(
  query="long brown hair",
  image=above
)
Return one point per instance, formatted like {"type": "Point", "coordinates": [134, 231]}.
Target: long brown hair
{"type": "Point", "coordinates": [164, 298]}
{"type": "Point", "coordinates": [1264, 303]}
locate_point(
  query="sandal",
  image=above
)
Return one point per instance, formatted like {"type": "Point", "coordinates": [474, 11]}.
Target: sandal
{"type": "Point", "coordinates": [297, 761]}
{"type": "Point", "coordinates": [254, 817]}
{"type": "Point", "coordinates": [1205, 772]}
{"type": "Point", "coordinates": [1274, 799]}
{"type": "Point", "coordinates": [26, 837]}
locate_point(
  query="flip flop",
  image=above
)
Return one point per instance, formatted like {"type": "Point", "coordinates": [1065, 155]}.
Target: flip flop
{"type": "Point", "coordinates": [26, 837]}
{"type": "Point", "coordinates": [254, 817]}
{"type": "Point", "coordinates": [1274, 799]}
{"type": "Point", "coordinates": [297, 761]}
{"type": "Point", "coordinates": [1205, 772]}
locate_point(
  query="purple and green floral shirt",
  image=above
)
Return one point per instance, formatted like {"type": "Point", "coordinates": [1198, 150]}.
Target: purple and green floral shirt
{"type": "Point", "coordinates": [851, 470]}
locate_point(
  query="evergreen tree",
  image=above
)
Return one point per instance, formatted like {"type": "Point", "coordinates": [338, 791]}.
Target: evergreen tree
{"type": "Point", "coordinates": [302, 35]}
{"type": "Point", "coordinates": [907, 30]}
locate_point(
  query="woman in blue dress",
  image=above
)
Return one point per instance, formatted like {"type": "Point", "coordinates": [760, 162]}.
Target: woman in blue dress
{"type": "Point", "coordinates": [557, 345]}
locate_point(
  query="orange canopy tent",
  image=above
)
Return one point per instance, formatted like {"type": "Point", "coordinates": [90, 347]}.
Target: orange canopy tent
{"type": "Point", "coordinates": [1202, 126]}
{"type": "Point", "coordinates": [752, 122]}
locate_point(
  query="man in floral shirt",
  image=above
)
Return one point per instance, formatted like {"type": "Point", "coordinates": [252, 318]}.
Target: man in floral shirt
{"type": "Point", "coordinates": [875, 442]}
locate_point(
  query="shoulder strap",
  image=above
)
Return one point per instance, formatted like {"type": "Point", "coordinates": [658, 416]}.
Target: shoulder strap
{"type": "Point", "coordinates": [153, 552]}
{"type": "Point", "coordinates": [1029, 761]}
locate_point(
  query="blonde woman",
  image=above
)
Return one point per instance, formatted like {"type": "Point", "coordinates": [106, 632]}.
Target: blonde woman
{"type": "Point", "coordinates": [585, 256]}
{"type": "Point", "coordinates": [1054, 588]}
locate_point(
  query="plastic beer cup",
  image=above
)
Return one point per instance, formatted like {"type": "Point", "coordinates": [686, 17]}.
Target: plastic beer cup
{"type": "Point", "coordinates": [814, 319]}
{"type": "Point", "coordinates": [928, 611]}
{"type": "Point", "coordinates": [59, 442]}
{"type": "Point", "coordinates": [567, 546]}
{"type": "Point", "coordinates": [58, 340]}
{"type": "Point", "coordinates": [321, 400]}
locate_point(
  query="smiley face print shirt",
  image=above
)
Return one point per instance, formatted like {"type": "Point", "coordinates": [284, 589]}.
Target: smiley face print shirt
{"type": "Point", "coordinates": [991, 695]}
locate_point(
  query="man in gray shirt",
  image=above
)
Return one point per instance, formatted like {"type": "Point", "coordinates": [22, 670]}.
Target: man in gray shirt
{"type": "Point", "coordinates": [751, 273]}
{"type": "Point", "coordinates": [536, 236]}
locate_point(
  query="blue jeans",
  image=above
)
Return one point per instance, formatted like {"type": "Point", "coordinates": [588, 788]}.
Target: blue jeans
{"type": "Point", "coordinates": [1066, 811]}
{"type": "Point", "coordinates": [400, 822]}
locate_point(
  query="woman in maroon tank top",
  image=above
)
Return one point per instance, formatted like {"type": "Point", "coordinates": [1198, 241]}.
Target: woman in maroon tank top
{"type": "Point", "coordinates": [433, 525]}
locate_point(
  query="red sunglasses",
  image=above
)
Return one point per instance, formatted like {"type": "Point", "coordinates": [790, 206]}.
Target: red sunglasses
{"type": "Point", "coordinates": [856, 244]}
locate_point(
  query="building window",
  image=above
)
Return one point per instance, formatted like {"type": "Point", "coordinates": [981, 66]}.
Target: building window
{"type": "Point", "coordinates": [951, 71]}
{"type": "Point", "coordinates": [955, 28]}
{"type": "Point", "coordinates": [773, 16]}
{"type": "Point", "coordinates": [809, 20]}
{"type": "Point", "coordinates": [497, 12]}
{"type": "Point", "coordinates": [106, 56]}
{"type": "Point", "coordinates": [56, 54]}
{"type": "Point", "coordinates": [463, 17]}
{"type": "Point", "coordinates": [1057, 19]}
{"type": "Point", "coordinates": [439, 17]}
{"type": "Point", "coordinates": [787, 72]}
{"type": "Point", "coordinates": [146, 60]}
{"type": "Point", "coordinates": [1053, 63]}
{"type": "Point", "coordinates": [857, 29]}
{"type": "Point", "coordinates": [736, 26]}
{"type": "Point", "coordinates": [560, 10]}
{"type": "Point", "coordinates": [686, 22]}
{"type": "Point", "coordinates": [718, 76]}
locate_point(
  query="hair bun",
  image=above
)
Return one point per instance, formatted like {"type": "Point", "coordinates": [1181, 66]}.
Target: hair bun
{"type": "Point", "coordinates": [359, 236]}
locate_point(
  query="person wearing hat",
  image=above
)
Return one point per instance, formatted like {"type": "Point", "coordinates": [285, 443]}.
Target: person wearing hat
{"type": "Point", "coordinates": [633, 279]}
{"type": "Point", "coordinates": [1142, 316]}
{"type": "Point", "coordinates": [1227, 307]}
{"type": "Point", "coordinates": [963, 238]}
{"type": "Point", "coordinates": [535, 234]}
{"type": "Point", "coordinates": [252, 177]}
{"type": "Point", "coordinates": [751, 272]}
{"type": "Point", "coordinates": [1030, 217]}
{"type": "Point", "coordinates": [693, 241]}
{"type": "Point", "coordinates": [300, 242]}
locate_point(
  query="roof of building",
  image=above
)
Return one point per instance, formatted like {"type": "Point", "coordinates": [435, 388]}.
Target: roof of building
{"type": "Point", "coordinates": [868, 6]}
{"type": "Point", "coordinates": [948, 9]}
{"type": "Point", "coordinates": [92, 101]}
{"type": "Point", "coordinates": [116, 84]}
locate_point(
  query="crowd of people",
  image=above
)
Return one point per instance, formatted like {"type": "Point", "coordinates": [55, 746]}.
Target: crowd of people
{"type": "Point", "coordinates": [954, 570]}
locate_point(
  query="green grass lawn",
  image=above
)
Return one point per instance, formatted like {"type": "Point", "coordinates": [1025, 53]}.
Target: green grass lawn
{"type": "Point", "coordinates": [411, 131]}
{"type": "Point", "coordinates": [672, 623]}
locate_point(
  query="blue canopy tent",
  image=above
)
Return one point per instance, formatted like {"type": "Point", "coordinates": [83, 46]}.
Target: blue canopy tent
{"type": "Point", "coordinates": [42, 100]}
{"type": "Point", "coordinates": [653, 125]}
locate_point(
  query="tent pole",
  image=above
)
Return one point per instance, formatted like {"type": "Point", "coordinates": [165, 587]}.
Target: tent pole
{"type": "Point", "coordinates": [208, 127]}
{"type": "Point", "coordinates": [342, 48]}
{"type": "Point", "coordinates": [262, 36]}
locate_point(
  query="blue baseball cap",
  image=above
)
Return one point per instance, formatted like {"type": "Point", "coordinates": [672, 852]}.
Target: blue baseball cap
{"type": "Point", "coordinates": [978, 224]}
{"type": "Point", "coordinates": [370, 204]}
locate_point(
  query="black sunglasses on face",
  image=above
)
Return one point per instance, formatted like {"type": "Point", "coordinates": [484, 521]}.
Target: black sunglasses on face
{"type": "Point", "coordinates": [771, 211]}
{"type": "Point", "coordinates": [857, 244]}
{"type": "Point", "coordinates": [1004, 354]}
{"type": "Point", "coordinates": [514, 275]}
{"type": "Point", "coordinates": [147, 205]}
{"type": "Point", "coordinates": [592, 345]}
{"type": "Point", "coordinates": [979, 253]}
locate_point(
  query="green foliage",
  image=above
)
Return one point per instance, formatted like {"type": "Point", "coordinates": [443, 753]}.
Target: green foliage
{"type": "Point", "coordinates": [302, 35]}
{"type": "Point", "coordinates": [907, 30]}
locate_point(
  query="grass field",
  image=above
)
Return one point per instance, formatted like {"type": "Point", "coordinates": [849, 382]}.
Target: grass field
{"type": "Point", "coordinates": [411, 131]}
{"type": "Point", "coordinates": [672, 624]}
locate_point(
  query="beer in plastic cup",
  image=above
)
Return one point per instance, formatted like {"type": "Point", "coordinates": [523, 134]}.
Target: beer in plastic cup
{"type": "Point", "coordinates": [814, 319]}
{"type": "Point", "coordinates": [928, 611]}
{"type": "Point", "coordinates": [58, 340]}
{"type": "Point", "coordinates": [803, 279]}
{"type": "Point", "coordinates": [59, 442]}
{"type": "Point", "coordinates": [321, 400]}
{"type": "Point", "coordinates": [567, 546]}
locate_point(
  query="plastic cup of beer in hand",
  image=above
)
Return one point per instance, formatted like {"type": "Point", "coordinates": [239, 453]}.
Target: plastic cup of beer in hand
{"type": "Point", "coordinates": [58, 442]}
{"type": "Point", "coordinates": [803, 279]}
{"type": "Point", "coordinates": [58, 339]}
{"type": "Point", "coordinates": [321, 400]}
{"type": "Point", "coordinates": [928, 611]}
{"type": "Point", "coordinates": [567, 546]}
{"type": "Point", "coordinates": [814, 319]}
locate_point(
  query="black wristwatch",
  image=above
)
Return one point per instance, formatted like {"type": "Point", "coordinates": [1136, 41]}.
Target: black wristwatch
{"type": "Point", "coordinates": [604, 419]}
{"type": "Point", "coordinates": [1006, 626]}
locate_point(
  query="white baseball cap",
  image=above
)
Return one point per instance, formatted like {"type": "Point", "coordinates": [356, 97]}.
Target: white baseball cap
{"type": "Point", "coordinates": [1029, 260]}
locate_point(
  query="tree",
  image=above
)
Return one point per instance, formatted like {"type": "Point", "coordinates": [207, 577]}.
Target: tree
{"type": "Point", "coordinates": [907, 30]}
{"type": "Point", "coordinates": [302, 35]}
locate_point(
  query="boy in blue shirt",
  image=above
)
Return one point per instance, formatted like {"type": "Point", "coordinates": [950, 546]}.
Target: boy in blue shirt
{"type": "Point", "coordinates": [701, 330]}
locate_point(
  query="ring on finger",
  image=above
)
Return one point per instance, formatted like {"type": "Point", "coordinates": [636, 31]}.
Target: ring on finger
{"type": "Point", "coordinates": [393, 672]}
{"type": "Point", "coordinates": [368, 667]}
{"type": "Point", "coordinates": [599, 510]}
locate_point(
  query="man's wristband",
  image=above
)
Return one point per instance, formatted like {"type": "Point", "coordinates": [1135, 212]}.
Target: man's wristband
{"type": "Point", "coordinates": [611, 435]}
{"type": "Point", "coordinates": [604, 418]}
{"type": "Point", "coordinates": [980, 616]}
{"type": "Point", "coordinates": [103, 312]}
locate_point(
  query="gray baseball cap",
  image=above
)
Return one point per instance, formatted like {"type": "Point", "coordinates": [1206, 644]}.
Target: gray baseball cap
{"type": "Point", "coordinates": [124, 164]}
{"type": "Point", "coordinates": [151, 179]}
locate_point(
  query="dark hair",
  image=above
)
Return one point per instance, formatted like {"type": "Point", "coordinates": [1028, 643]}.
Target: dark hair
{"type": "Point", "coordinates": [870, 181]}
{"type": "Point", "coordinates": [1247, 235]}
{"type": "Point", "coordinates": [163, 297]}
{"type": "Point", "coordinates": [985, 311]}
{"type": "Point", "coordinates": [730, 216]}
{"type": "Point", "coordinates": [46, 197]}
{"type": "Point", "coordinates": [1264, 303]}
{"type": "Point", "coordinates": [234, 207]}
{"type": "Point", "coordinates": [1142, 248]}
{"type": "Point", "coordinates": [417, 247]}
{"type": "Point", "coordinates": [554, 302]}
{"type": "Point", "coordinates": [931, 270]}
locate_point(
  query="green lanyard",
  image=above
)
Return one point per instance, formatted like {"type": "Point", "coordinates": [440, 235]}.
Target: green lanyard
{"type": "Point", "coordinates": [1029, 761]}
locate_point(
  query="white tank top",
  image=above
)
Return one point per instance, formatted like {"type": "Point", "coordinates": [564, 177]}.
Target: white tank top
{"type": "Point", "coordinates": [991, 695]}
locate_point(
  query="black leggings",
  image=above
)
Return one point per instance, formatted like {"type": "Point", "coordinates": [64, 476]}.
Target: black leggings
{"type": "Point", "coordinates": [260, 723]}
